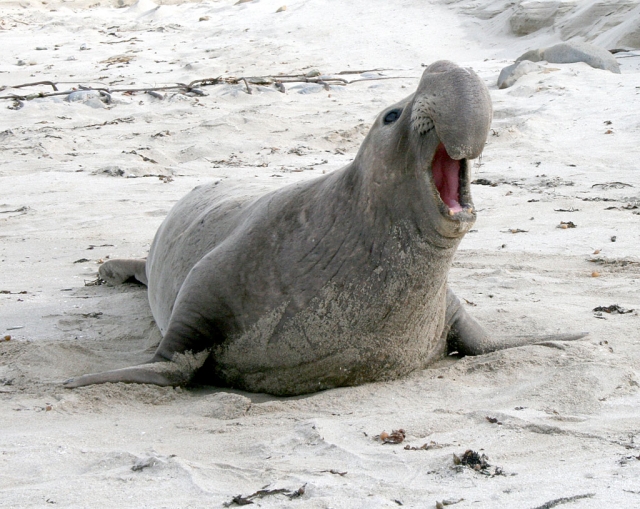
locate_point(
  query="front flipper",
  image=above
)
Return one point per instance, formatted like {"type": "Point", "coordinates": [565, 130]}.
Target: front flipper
{"type": "Point", "coordinates": [116, 272]}
{"type": "Point", "coordinates": [178, 371]}
{"type": "Point", "coordinates": [468, 337]}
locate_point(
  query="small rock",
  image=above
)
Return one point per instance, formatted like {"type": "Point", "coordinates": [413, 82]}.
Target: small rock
{"type": "Point", "coordinates": [147, 462]}
{"type": "Point", "coordinates": [16, 104]}
{"type": "Point", "coordinates": [282, 9]}
{"type": "Point", "coordinates": [534, 15]}
{"type": "Point", "coordinates": [510, 74]}
{"type": "Point", "coordinates": [91, 97]}
{"type": "Point", "coordinates": [223, 406]}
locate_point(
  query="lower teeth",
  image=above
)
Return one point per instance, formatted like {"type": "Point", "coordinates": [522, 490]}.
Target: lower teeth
{"type": "Point", "coordinates": [466, 209]}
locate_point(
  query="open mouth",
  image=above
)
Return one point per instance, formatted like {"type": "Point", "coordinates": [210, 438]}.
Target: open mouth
{"type": "Point", "coordinates": [446, 176]}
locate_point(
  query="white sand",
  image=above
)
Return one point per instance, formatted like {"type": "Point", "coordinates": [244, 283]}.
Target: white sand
{"type": "Point", "coordinates": [570, 415]}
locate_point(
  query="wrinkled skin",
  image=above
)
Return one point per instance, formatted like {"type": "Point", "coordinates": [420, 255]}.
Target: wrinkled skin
{"type": "Point", "coordinates": [335, 281]}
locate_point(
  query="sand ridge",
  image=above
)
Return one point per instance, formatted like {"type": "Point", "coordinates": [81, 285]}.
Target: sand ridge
{"type": "Point", "coordinates": [86, 180]}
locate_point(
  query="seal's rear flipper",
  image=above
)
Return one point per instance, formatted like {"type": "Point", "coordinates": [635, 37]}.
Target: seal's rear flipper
{"type": "Point", "coordinates": [178, 371]}
{"type": "Point", "coordinates": [142, 374]}
{"type": "Point", "coordinates": [468, 337]}
{"type": "Point", "coordinates": [490, 344]}
{"type": "Point", "coordinates": [116, 272]}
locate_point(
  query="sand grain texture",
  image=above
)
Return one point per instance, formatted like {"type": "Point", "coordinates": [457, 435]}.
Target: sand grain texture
{"type": "Point", "coordinates": [82, 181]}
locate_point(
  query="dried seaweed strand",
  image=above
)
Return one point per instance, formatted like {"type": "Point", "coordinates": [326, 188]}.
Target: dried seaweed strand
{"type": "Point", "coordinates": [325, 80]}
{"type": "Point", "coordinates": [563, 500]}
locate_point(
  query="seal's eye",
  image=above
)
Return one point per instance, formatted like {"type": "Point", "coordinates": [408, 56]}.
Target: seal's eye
{"type": "Point", "coordinates": [392, 116]}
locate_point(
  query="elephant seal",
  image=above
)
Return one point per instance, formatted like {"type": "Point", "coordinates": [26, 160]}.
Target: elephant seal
{"type": "Point", "coordinates": [562, 53]}
{"type": "Point", "coordinates": [334, 281]}
{"type": "Point", "coordinates": [574, 51]}
{"type": "Point", "coordinates": [512, 73]}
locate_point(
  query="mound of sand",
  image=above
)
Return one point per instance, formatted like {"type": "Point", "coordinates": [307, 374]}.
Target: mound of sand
{"type": "Point", "coordinates": [85, 180]}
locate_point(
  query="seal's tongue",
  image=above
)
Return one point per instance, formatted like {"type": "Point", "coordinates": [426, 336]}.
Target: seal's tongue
{"type": "Point", "coordinates": [446, 175]}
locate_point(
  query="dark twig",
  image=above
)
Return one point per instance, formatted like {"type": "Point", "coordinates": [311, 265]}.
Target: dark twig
{"type": "Point", "coordinates": [363, 71]}
{"type": "Point", "coordinates": [377, 79]}
{"type": "Point", "coordinates": [29, 97]}
{"type": "Point", "coordinates": [205, 82]}
{"type": "Point", "coordinates": [247, 85]}
{"type": "Point", "coordinates": [17, 20]}
{"type": "Point", "coordinates": [277, 81]}
{"type": "Point", "coordinates": [563, 500]}
{"type": "Point", "coordinates": [34, 84]}
{"type": "Point", "coordinates": [134, 39]}
{"type": "Point", "coordinates": [21, 209]}
{"type": "Point", "coordinates": [240, 500]}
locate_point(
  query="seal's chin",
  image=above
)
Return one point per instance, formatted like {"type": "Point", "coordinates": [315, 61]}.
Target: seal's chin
{"type": "Point", "coordinates": [450, 177]}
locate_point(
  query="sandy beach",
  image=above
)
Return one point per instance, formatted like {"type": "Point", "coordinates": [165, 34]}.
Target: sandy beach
{"type": "Point", "coordinates": [88, 175]}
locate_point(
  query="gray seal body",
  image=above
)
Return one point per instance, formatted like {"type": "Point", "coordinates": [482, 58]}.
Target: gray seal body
{"type": "Point", "coordinates": [574, 51]}
{"type": "Point", "coordinates": [335, 281]}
